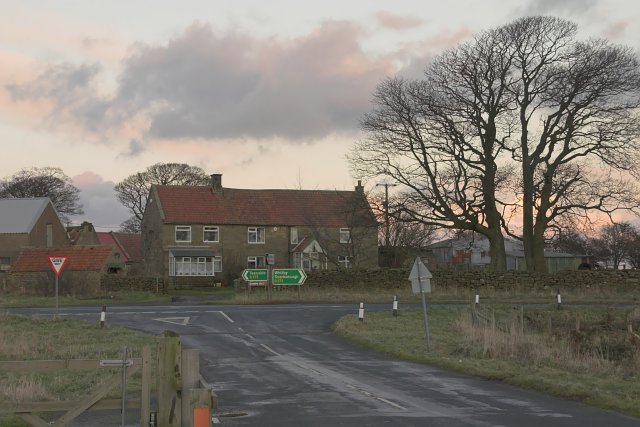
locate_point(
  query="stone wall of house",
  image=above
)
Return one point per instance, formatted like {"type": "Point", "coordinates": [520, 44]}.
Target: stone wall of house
{"type": "Point", "coordinates": [78, 283]}
{"type": "Point", "coordinates": [118, 282]}
{"type": "Point", "coordinates": [396, 278]}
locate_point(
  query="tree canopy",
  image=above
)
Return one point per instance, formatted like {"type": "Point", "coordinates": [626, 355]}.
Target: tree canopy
{"type": "Point", "coordinates": [48, 182]}
{"type": "Point", "coordinates": [512, 132]}
{"type": "Point", "coordinates": [133, 191]}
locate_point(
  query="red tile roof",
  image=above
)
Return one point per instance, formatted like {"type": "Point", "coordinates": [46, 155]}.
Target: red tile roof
{"type": "Point", "coordinates": [79, 258]}
{"type": "Point", "coordinates": [126, 244]}
{"type": "Point", "coordinates": [131, 244]}
{"type": "Point", "coordinates": [200, 205]}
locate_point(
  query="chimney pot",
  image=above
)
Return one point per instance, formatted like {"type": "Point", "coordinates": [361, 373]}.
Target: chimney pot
{"type": "Point", "coordinates": [216, 182]}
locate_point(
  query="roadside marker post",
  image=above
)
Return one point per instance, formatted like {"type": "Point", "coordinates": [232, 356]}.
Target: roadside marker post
{"type": "Point", "coordinates": [477, 296]}
{"type": "Point", "coordinates": [395, 306]}
{"type": "Point", "coordinates": [103, 315]}
{"type": "Point", "coordinates": [361, 312]}
{"type": "Point", "coordinates": [559, 297]}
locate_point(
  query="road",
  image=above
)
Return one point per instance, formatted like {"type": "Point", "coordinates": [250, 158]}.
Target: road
{"type": "Point", "coordinates": [281, 366]}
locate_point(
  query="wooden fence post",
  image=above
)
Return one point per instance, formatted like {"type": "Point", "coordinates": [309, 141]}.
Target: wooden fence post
{"type": "Point", "coordinates": [145, 399]}
{"type": "Point", "coordinates": [201, 403]}
{"type": "Point", "coordinates": [169, 380]}
{"type": "Point", "coordinates": [190, 380]}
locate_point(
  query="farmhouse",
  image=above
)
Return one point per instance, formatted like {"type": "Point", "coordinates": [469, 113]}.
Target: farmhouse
{"type": "Point", "coordinates": [192, 233]}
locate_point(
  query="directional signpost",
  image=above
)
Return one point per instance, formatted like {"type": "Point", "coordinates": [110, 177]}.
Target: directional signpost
{"type": "Point", "coordinates": [420, 277]}
{"type": "Point", "coordinates": [288, 276]}
{"type": "Point", "coordinates": [255, 275]}
{"type": "Point", "coordinates": [57, 263]}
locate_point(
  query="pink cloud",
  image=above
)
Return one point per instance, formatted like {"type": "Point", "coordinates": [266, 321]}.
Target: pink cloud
{"type": "Point", "coordinates": [397, 22]}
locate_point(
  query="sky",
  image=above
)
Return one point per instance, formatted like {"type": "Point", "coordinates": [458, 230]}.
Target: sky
{"type": "Point", "coordinates": [267, 93]}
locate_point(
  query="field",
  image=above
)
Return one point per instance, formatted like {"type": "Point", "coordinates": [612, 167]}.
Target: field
{"type": "Point", "coordinates": [582, 353]}
{"type": "Point", "coordinates": [23, 338]}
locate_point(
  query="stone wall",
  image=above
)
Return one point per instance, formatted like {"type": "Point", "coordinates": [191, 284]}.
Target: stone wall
{"type": "Point", "coordinates": [78, 283]}
{"type": "Point", "coordinates": [396, 278]}
{"type": "Point", "coordinates": [117, 282]}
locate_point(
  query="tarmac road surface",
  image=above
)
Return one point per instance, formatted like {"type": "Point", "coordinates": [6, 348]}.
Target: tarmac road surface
{"type": "Point", "coordinates": [281, 366]}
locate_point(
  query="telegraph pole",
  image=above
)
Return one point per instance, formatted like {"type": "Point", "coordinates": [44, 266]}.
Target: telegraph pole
{"type": "Point", "coordinates": [386, 186]}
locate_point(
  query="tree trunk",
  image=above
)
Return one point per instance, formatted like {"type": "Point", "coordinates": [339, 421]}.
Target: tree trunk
{"type": "Point", "coordinates": [498, 253]}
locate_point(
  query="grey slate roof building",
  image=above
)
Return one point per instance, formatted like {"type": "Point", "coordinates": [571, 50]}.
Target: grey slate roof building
{"type": "Point", "coordinates": [28, 222]}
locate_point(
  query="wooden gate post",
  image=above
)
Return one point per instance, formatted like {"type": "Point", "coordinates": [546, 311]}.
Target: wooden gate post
{"type": "Point", "coordinates": [190, 380]}
{"type": "Point", "coordinates": [169, 380]}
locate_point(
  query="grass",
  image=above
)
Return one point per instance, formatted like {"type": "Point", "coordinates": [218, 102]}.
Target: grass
{"type": "Point", "coordinates": [25, 338]}
{"type": "Point", "coordinates": [581, 353]}
{"type": "Point", "coordinates": [125, 297]}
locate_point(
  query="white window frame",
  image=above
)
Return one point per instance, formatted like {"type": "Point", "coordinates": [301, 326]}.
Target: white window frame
{"type": "Point", "coordinates": [294, 235]}
{"type": "Point", "coordinates": [256, 262]}
{"type": "Point", "coordinates": [344, 261]}
{"type": "Point", "coordinates": [217, 264]}
{"type": "Point", "coordinates": [191, 266]}
{"type": "Point", "coordinates": [345, 235]}
{"type": "Point", "coordinates": [211, 229]}
{"type": "Point", "coordinates": [183, 228]}
{"type": "Point", "coordinates": [254, 234]}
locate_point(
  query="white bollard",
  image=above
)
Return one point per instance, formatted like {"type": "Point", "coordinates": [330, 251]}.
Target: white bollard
{"type": "Point", "coordinates": [395, 305]}
{"type": "Point", "coordinates": [361, 312]}
{"type": "Point", "coordinates": [559, 299]}
{"type": "Point", "coordinates": [477, 297]}
{"type": "Point", "coordinates": [103, 315]}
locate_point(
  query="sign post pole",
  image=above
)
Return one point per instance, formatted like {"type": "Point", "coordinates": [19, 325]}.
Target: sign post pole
{"type": "Point", "coordinates": [424, 309]}
{"type": "Point", "coordinates": [420, 278]}
{"type": "Point", "coordinates": [57, 263]}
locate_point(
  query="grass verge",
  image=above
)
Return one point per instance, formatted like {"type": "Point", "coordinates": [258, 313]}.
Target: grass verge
{"type": "Point", "coordinates": [584, 353]}
{"type": "Point", "coordinates": [26, 338]}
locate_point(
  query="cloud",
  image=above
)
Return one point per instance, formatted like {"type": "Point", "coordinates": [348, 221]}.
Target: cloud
{"type": "Point", "coordinates": [617, 29]}
{"type": "Point", "coordinates": [397, 22]}
{"type": "Point", "coordinates": [207, 85]}
{"type": "Point", "coordinates": [99, 202]}
{"type": "Point", "coordinates": [551, 7]}
{"type": "Point", "coordinates": [136, 148]}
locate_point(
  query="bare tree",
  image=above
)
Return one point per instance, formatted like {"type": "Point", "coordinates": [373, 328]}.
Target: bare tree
{"type": "Point", "coordinates": [565, 111]}
{"type": "Point", "coordinates": [615, 242]}
{"type": "Point", "coordinates": [578, 125]}
{"type": "Point", "coordinates": [133, 191]}
{"type": "Point", "coordinates": [441, 138]}
{"type": "Point", "coordinates": [48, 182]}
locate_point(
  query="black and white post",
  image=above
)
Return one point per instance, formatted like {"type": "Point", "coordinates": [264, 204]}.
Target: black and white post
{"type": "Point", "coordinates": [477, 296]}
{"type": "Point", "coordinates": [103, 315]}
{"type": "Point", "coordinates": [361, 312]}
{"type": "Point", "coordinates": [559, 299]}
{"type": "Point", "coordinates": [395, 306]}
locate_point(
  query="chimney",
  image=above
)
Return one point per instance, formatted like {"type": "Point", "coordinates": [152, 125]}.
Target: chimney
{"type": "Point", "coordinates": [359, 187]}
{"type": "Point", "coordinates": [216, 182]}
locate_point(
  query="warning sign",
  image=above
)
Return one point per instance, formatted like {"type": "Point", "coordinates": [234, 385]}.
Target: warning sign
{"type": "Point", "coordinates": [57, 263]}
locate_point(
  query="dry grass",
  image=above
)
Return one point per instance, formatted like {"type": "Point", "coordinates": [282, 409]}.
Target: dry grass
{"type": "Point", "coordinates": [584, 353]}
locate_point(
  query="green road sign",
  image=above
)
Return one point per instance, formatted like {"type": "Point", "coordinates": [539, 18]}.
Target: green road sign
{"type": "Point", "coordinates": [288, 276]}
{"type": "Point", "coordinates": [255, 275]}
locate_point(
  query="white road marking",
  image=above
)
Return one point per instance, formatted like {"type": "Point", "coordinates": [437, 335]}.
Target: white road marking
{"type": "Point", "coordinates": [250, 337]}
{"type": "Point", "coordinates": [215, 420]}
{"type": "Point", "coordinates": [182, 321]}
{"type": "Point", "coordinates": [227, 317]}
{"type": "Point", "coordinates": [270, 349]}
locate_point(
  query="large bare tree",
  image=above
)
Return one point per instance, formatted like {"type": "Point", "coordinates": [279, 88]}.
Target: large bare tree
{"type": "Point", "coordinates": [133, 191]}
{"type": "Point", "coordinates": [526, 105]}
{"type": "Point", "coordinates": [442, 137]}
{"type": "Point", "coordinates": [48, 182]}
{"type": "Point", "coordinates": [578, 125]}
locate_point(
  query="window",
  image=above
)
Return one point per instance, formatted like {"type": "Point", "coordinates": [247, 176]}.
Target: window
{"type": "Point", "coordinates": [255, 262]}
{"type": "Point", "coordinates": [183, 233]}
{"type": "Point", "coordinates": [4, 263]}
{"type": "Point", "coordinates": [345, 235]}
{"type": "Point", "coordinates": [344, 261]}
{"type": "Point", "coordinates": [217, 264]}
{"type": "Point", "coordinates": [49, 235]}
{"type": "Point", "coordinates": [210, 234]}
{"type": "Point", "coordinates": [256, 235]}
{"type": "Point", "coordinates": [194, 266]}
{"type": "Point", "coordinates": [294, 235]}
